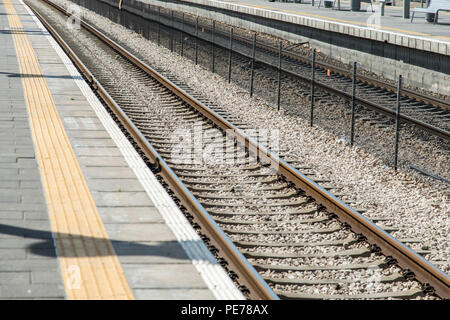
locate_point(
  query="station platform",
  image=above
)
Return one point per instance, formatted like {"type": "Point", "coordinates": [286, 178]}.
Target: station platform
{"type": "Point", "coordinates": [367, 18]}
{"type": "Point", "coordinates": [386, 46]}
{"type": "Point", "coordinates": [81, 215]}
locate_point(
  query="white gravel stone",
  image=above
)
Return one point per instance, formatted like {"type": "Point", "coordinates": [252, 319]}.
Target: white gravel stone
{"type": "Point", "coordinates": [418, 208]}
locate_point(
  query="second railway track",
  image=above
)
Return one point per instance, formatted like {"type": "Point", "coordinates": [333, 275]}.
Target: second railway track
{"type": "Point", "coordinates": [304, 242]}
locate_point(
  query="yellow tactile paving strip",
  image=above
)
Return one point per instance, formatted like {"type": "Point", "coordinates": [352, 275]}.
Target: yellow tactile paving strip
{"type": "Point", "coordinates": [89, 265]}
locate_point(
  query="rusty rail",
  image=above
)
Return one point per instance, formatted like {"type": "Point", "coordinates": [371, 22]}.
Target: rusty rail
{"type": "Point", "coordinates": [423, 270]}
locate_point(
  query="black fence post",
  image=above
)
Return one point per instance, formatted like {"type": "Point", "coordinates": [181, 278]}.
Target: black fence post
{"type": "Point", "coordinates": [212, 45]}
{"type": "Point", "coordinates": [397, 121]}
{"type": "Point", "coordinates": [196, 40]}
{"type": "Point", "coordinates": [312, 87]}
{"type": "Point", "coordinates": [253, 65]}
{"type": "Point", "coordinates": [279, 75]}
{"type": "Point", "coordinates": [231, 53]}
{"type": "Point", "coordinates": [352, 125]}
{"type": "Point", "coordinates": [172, 35]}
{"type": "Point", "coordinates": [182, 35]}
{"type": "Point", "coordinates": [159, 25]}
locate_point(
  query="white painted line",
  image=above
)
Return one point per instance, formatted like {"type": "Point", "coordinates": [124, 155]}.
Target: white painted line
{"type": "Point", "coordinates": [212, 273]}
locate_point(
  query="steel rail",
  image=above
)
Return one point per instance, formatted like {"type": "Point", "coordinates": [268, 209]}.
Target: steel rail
{"type": "Point", "coordinates": [247, 275]}
{"type": "Point", "coordinates": [423, 270]}
{"type": "Point", "coordinates": [366, 79]}
{"type": "Point", "coordinates": [347, 73]}
{"type": "Point", "coordinates": [347, 96]}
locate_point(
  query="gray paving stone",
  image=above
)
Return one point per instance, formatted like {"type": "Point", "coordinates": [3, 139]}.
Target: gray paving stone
{"type": "Point", "coordinates": [87, 134]}
{"type": "Point", "coordinates": [31, 291]}
{"type": "Point", "coordinates": [122, 199]}
{"type": "Point", "coordinates": [10, 184]}
{"type": "Point", "coordinates": [36, 215]}
{"type": "Point", "coordinates": [24, 152]}
{"type": "Point", "coordinates": [150, 252]}
{"type": "Point", "coordinates": [8, 172]}
{"type": "Point", "coordinates": [28, 265]}
{"type": "Point", "coordinates": [24, 207]}
{"type": "Point", "coordinates": [7, 199]}
{"type": "Point", "coordinates": [173, 294]}
{"type": "Point", "coordinates": [23, 133]}
{"type": "Point", "coordinates": [29, 174]}
{"type": "Point", "coordinates": [41, 253]}
{"type": "Point", "coordinates": [130, 215]}
{"type": "Point", "coordinates": [31, 184]}
{"type": "Point", "coordinates": [90, 124]}
{"type": "Point", "coordinates": [25, 243]}
{"type": "Point", "coordinates": [32, 198]}
{"type": "Point", "coordinates": [15, 277]}
{"type": "Point", "coordinates": [67, 107]}
{"type": "Point", "coordinates": [94, 143]}
{"type": "Point", "coordinates": [11, 215]}
{"type": "Point", "coordinates": [97, 151]}
{"type": "Point", "coordinates": [45, 277]}
{"type": "Point", "coordinates": [9, 192]}
{"type": "Point", "coordinates": [143, 232]}
{"type": "Point", "coordinates": [115, 185]}
{"type": "Point", "coordinates": [164, 276]}
{"type": "Point", "coordinates": [8, 159]}
{"type": "Point", "coordinates": [15, 254]}
{"type": "Point", "coordinates": [6, 125]}
{"type": "Point", "coordinates": [101, 161]}
{"type": "Point", "coordinates": [109, 173]}
{"type": "Point", "coordinates": [76, 113]}
{"type": "Point", "coordinates": [27, 163]}
{"type": "Point", "coordinates": [25, 228]}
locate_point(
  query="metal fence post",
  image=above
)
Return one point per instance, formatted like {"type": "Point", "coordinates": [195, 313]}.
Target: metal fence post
{"type": "Point", "coordinates": [312, 87]}
{"type": "Point", "coordinates": [159, 25]}
{"type": "Point", "coordinates": [352, 125]}
{"type": "Point", "coordinates": [196, 40]}
{"type": "Point", "coordinates": [406, 9]}
{"type": "Point", "coordinates": [279, 75]}
{"type": "Point", "coordinates": [182, 35]}
{"type": "Point", "coordinates": [171, 31]}
{"type": "Point", "coordinates": [253, 65]}
{"type": "Point", "coordinates": [397, 121]}
{"type": "Point", "coordinates": [229, 57]}
{"type": "Point", "coordinates": [212, 45]}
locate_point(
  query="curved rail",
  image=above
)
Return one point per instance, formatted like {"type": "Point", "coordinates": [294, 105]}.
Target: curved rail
{"type": "Point", "coordinates": [405, 257]}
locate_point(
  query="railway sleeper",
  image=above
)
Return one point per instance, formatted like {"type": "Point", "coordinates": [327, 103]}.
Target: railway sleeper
{"type": "Point", "coordinates": [270, 222]}
{"type": "Point", "coordinates": [300, 211]}
{"type": "Point", "coordinates": [280, 267]}
{"type": "Point", "coordinates": [286, 281]}
{"type": "Point", "coordinates": [409, 294]}
{"type": "Point", "coordinates": [342, 242]}
{"type": "Point", "coordinates": [312, 230]}
{"type": "Point", "coordinates": [362, 252]}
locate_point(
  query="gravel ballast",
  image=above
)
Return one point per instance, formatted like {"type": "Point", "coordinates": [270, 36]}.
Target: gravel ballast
{"type": "Point", "coordinates": [414, 205]}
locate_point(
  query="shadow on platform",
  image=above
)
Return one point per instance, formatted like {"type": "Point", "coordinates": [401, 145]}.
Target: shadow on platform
{"type": "Point", "coordinates": [24, 75]}
{"type": "Point", "coordinates": [46, 247]}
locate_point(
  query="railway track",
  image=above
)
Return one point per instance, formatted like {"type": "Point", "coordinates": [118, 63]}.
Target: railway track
{"type": "Point", "coordinates": [423, 111]}
{"type": "Point", "coordinates": [255, 211]}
